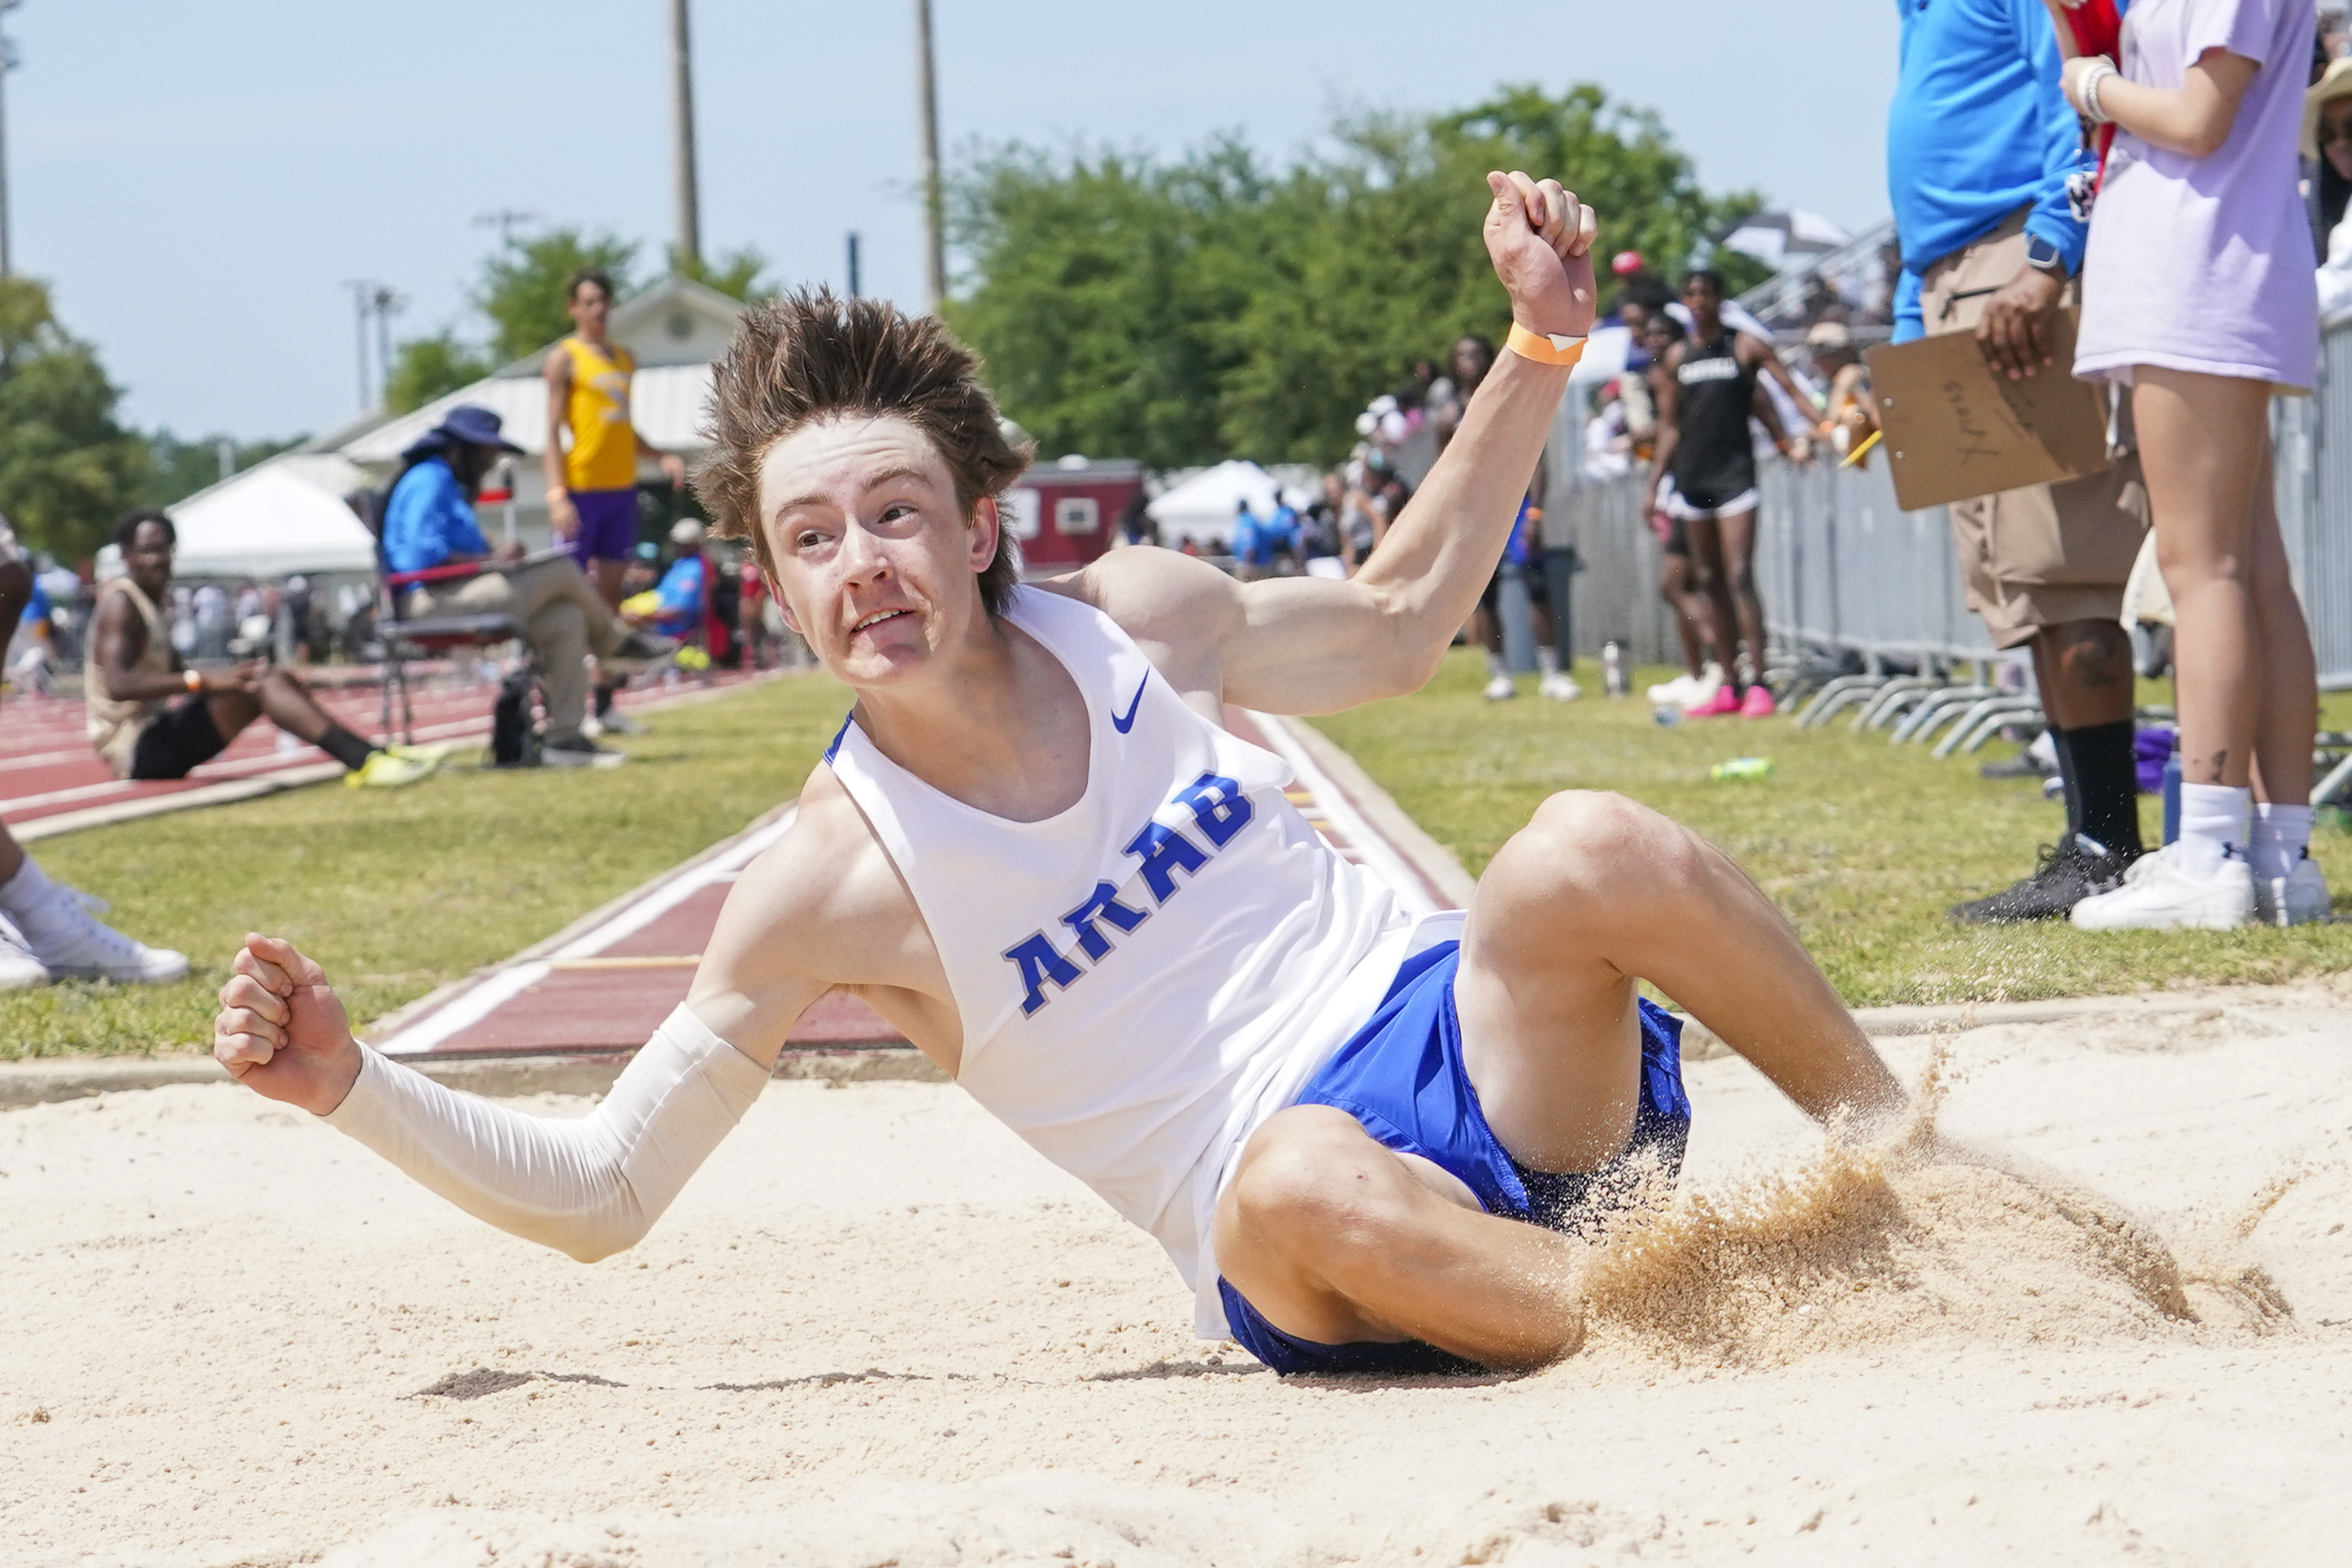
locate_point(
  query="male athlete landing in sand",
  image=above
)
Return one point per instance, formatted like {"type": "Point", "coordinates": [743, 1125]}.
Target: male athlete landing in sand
{"type": "Point", "coordinates": [1032, 848]}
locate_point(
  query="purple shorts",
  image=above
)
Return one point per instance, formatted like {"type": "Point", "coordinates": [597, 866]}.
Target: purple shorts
{"type": "Point", "coordinates": [608, 526]}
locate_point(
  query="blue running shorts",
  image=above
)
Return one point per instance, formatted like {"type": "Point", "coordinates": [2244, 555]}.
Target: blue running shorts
{"type": "Point", "coordinates": [1401, 1076]}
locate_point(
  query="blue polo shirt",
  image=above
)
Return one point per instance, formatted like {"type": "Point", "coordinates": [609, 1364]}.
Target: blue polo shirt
{"type": "Point", "coordinates": [1977, 130]}
{"type": "Point", "coordinates": [429, 519]}
{"type": "Point", "coordinates": [680, 592]}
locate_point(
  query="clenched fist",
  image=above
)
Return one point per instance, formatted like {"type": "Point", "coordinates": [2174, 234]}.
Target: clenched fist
{"type": "Point", "coordinates": [282, 1030]}
{"type": "Point", "coordinates": [1540, 239]}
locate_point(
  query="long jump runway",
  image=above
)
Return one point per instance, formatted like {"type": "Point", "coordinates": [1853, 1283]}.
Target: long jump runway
{"type": "Point", "coordinates": [604, 984]}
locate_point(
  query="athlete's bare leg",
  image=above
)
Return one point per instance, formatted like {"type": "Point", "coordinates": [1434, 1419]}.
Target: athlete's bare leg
{"type": "Point", "coordinates": [1335, 1239]}
{"type": "Point", "coordinates": [607, 576]}
{"type": "Point", "coordinates": [1739, 561]}
{"type": "Point", "coordinates": [1689, 610]}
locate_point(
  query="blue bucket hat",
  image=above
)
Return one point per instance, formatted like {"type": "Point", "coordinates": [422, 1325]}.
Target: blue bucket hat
{"type": "Point", "coordinates": [475, 425]}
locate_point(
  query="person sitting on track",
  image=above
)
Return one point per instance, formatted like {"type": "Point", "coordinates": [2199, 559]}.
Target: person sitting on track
{"type": "Point", "coordinates": [1034, 849]}
{"type": "Point", "coordinates": [134, 674]}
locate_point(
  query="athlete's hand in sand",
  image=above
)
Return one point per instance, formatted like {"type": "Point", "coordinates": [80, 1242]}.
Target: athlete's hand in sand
{"type": "Point", "coordinates": [1540, 238]}
{"type": "Point", "coordinates": [282, 1030]}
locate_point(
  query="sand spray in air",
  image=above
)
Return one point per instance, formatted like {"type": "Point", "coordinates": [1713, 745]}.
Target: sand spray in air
{"type": "Point", "coordinates": [1886, 1240]}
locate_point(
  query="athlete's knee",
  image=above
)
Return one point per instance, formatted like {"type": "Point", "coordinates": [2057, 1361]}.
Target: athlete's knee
{"type": "Point", "coordinates": [1741, 575]}
{"type": "Point", "coordinates": [1315, 1183]}
{"type": "Point", "coordinates": [1610, 856]}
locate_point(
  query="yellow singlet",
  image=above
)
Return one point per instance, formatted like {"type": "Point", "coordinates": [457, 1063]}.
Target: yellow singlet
{"type": "Point", "coordinates": [604, 455]}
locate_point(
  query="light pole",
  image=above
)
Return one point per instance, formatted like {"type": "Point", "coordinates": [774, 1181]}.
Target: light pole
{"type": "Point", "coordinates": [688, 252]}
{"type": "Point", "coordinates": [370, 298]}
{"type": "Point", "coordinates": [8, 61]}
{"type": "Point", "coordinates": [935, 260]}
{"type": "Point", "coordinates": [853, 264]}
{"type": "Point", "coordinates": [506, 220]}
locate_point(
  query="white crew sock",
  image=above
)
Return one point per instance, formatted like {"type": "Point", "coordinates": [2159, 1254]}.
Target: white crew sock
{"type": "Point", "coordinates": [2212, 822]}
{"type": "Point", "coordinates": [2280, 835]}
{"type": "Point", "coordinates": [1546, 659]}
{"type": "Point", "coordinates": [1496, 667]}
{"type": "Point", "coordinates": [29, 889]}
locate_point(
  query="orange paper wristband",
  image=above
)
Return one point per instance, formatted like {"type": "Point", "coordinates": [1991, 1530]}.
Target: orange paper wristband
{"type": "Point", "coordinates": [1542, 349]}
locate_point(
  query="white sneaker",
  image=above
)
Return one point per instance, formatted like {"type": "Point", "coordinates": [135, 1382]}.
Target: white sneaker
{"type": "Point", "coordinates": [18, 968]}
{"type": "Point", "coordinates": [2159, 894]}
{"type": "Point", "coordinates": [2296, 899]}
{"type": "Point", "coordinates": [69, 941]}
{"type": "Point", "coordinates": [1559, 688]}
{"type": "Point", "coordinates": [1703, 690]}
{"type": "Point", "coordinates": [1674, 693]}
{"type": "Point", "coordinates": [1501, 689]}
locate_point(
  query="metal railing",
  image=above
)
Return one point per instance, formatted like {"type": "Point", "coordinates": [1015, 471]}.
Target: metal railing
{"type": "Point", "coordinates": [1841, 567]}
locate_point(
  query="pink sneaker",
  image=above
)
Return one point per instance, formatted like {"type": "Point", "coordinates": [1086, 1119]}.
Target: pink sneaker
{"type": "Point", "coordinates": [1717, 705]}
{"type": "Point", "coordinates": [1757, 704]}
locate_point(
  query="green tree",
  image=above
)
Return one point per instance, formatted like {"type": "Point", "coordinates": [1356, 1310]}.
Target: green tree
{"type": "Point", "coordinates": [521, 289]}
{"type": "Point", "coordinates": [67, 469]}
{"type": "Point", "coordinates": [426, 368]}
{"type": "Point", "coordinates": [1212, 307]}
{"type": "Point", "coordinates": [177, 469]}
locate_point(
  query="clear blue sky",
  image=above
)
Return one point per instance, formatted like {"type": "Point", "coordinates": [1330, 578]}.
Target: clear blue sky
{"type": "Point", "coordinates": [197, 181]}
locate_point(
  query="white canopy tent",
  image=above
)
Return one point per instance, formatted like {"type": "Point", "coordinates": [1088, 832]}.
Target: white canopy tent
{"type": "Point", "coordinates": [270, 521]}
{"type": "Point", "coordinates": [1203, 504]}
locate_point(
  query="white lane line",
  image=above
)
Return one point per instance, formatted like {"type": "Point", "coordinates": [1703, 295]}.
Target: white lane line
{"type": "Point", "coordinates": [1373, 851]}
{"type": "Point", "coordinates": [470, 1008]}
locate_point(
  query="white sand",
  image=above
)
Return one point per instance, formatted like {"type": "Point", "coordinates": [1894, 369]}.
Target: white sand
{"type": "Point", "coordinates": [217, 1319]}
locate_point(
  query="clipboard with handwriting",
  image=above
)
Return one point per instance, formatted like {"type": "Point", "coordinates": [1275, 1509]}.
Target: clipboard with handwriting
{"type": "Point", "coordinates": [1957, 429]}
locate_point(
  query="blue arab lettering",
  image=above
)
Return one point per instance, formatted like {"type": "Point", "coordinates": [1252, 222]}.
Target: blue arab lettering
{"type": "Point", "coordinates": [1219, 811]}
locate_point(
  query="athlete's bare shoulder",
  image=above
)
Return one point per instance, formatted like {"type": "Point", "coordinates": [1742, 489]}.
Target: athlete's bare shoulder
{"type": "Point", "coordinates": [557, 366]}
{"type": "Point", "coordinates": [820, 909]}
{"type": "Point", "coordinates": [1178, 609]}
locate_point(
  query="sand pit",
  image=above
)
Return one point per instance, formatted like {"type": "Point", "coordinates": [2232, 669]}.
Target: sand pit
{"type": "Point", "coordinates": [876, 1330]}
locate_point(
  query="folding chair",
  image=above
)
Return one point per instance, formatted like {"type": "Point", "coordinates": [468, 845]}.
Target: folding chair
{"type": "Point", "coordinates": [407, 637]}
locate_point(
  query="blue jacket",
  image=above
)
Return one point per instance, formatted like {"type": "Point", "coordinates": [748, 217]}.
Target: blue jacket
{"type": "Point", "coordinates": [1978, 129]}
{"type": "Point", "coordinates": [429, 519]}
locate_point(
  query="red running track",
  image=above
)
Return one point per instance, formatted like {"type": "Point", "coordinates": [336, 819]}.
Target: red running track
{"type": "Point", "coordinates": [605, 984]}
{"type": "Point", "coordinates": [48, 768]}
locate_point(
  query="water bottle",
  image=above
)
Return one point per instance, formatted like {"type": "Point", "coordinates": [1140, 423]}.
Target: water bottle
{"type": "Point", "coordinates": [1612, 668]}
{"type": "Point", "coordinates": [1741, 768]}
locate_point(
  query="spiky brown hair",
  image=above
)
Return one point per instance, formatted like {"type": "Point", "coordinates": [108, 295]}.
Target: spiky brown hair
{"type": "Point", "coordinates": [812, 355]}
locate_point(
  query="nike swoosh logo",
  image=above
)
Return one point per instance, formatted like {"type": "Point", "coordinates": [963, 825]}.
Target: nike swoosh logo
{"type": "Point", "coordinates": [1127, 722]}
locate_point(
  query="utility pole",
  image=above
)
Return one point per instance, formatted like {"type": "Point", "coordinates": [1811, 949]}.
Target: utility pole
{"type": "Point", "coordinates": [506, 220]}
{"type": "Point", "coordinates": [387, 300]}
{"type": "Point", "coordinates": [687, 253]}
{"type": "Point", "coordinates": [8, 62]}
{"type": "Point", "coordinates": [360, 288]}
{"type": "Point", "coordinates": [935, 260]}
{"type": "Point", "coordinates": [854, 292]}
{"type": "Point", "coordinates": [381, 300]}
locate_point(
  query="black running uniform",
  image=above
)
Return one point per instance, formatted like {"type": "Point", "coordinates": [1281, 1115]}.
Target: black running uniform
{"type": "Point", "coordinates": [1715, 459]}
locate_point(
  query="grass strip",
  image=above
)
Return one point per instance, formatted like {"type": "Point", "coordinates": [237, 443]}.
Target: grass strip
{"type": "Point", "coordinates": [399, 891]}
{"type": "Point", "coordinates": [1864, 844]}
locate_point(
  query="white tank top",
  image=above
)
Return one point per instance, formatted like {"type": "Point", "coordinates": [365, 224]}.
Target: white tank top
{"type": "Point", "coordinates": [1146, 977]}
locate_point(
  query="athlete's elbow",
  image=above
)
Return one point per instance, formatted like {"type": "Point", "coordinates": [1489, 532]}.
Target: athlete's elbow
{"type": "Point", "coordinates": [592, 1243]}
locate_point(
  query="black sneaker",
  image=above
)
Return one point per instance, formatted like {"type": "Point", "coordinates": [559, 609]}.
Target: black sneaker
{"type": "Point", "coordinates": [2066, 874]}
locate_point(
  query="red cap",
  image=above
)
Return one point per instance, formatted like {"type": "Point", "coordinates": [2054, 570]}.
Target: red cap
{"type": "Point", "coordinates": [1625, 261]}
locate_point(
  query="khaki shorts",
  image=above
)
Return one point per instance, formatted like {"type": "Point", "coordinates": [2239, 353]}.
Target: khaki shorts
{"type": "Point", "coordinates": [2046, 554]}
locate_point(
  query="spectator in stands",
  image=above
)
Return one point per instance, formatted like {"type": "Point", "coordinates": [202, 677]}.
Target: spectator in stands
{"type": "Point", "coordinates": [141, 733]}
{"type": "Point", "coordinates": [429, 522]}
{"type": "Point", "coordinates": [2199, 296]}
{"type": "Point", "coordinates": [1851, 413]}
{"type": "Point", "coordinates": [682, 597]}
{"type": "Point", "coordinates": [1980, 145]}
{"type": "Point", "coordinates": [2327, 180]}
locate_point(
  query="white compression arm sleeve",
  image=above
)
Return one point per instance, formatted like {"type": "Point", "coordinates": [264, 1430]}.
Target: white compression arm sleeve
{"type": "Point", "coordinates": [589, 1187]}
